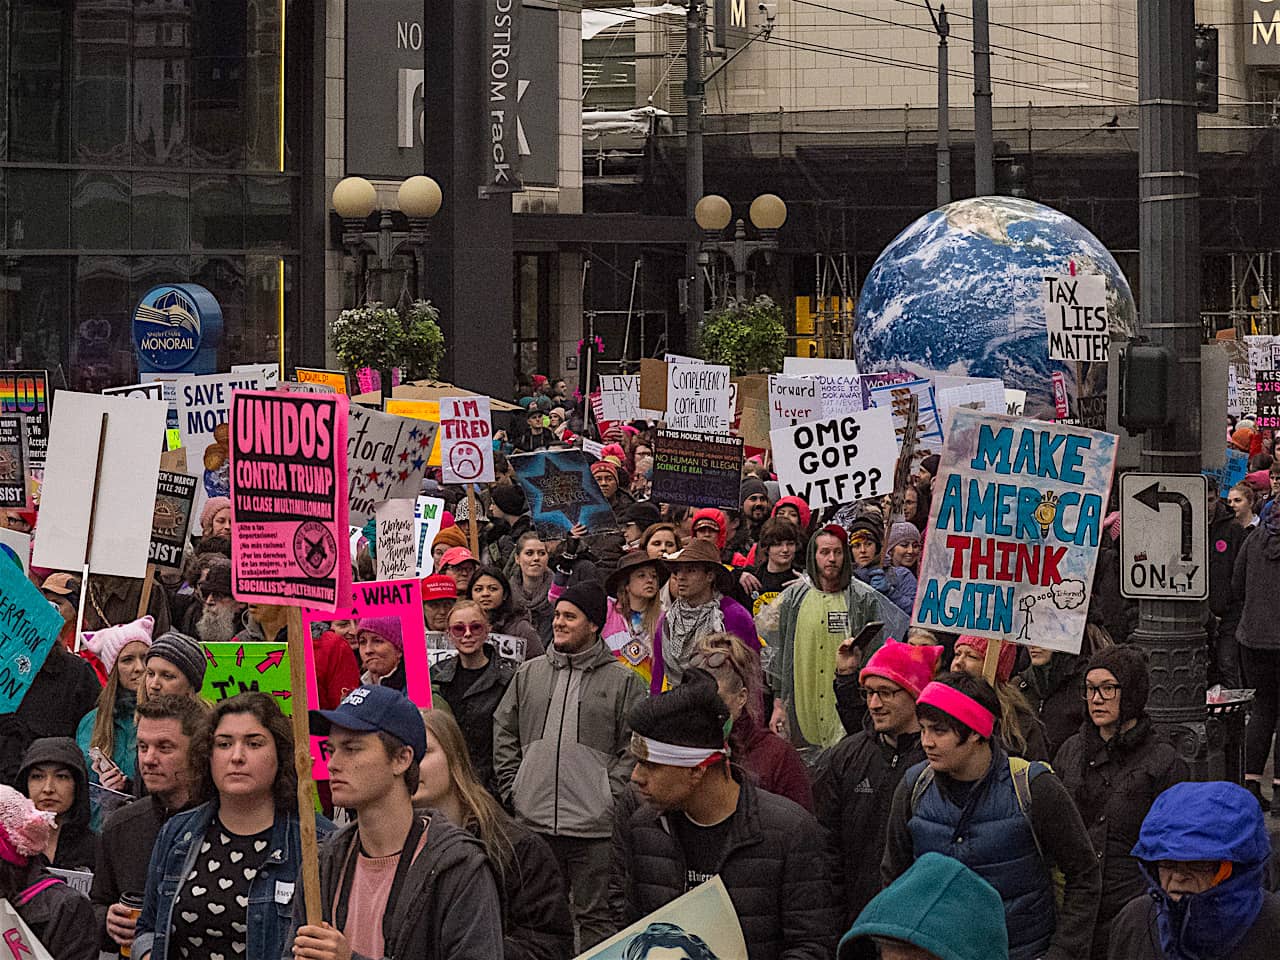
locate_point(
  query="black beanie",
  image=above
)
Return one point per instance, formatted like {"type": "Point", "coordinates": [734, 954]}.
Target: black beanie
{"type": "Point", "coordinates": [588, 596]}
{"type": "Point", "coordinates": [1129, 666]}
{"type": "Point", "coordinates": [872, 529]}
{"type": "Point", "coordinates": [750, 487]}
{"type": "Point", "coordinates": [509, 498]}
{"type": "Point", "coordinates": [931, 463]}
{"type": "Point", "coordinates": [689, 715]}
{"type": "Point", "coordinates": [183, 652]}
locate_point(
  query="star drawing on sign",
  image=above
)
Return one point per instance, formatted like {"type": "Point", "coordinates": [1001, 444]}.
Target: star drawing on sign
{"type": "Point", "coordinates": [423, 441]}
{"type": "Point", "coordinates": [551, 478]}
{"type": "Point", "coordinates": [418, 463]}
{"type": "Point", "coordinates": [414, 433]}
{"type": "Point", "coordinates": [373, 476]}
{"type": "Point", "coordinates": [404, 456]}
{"type": "Point", "coordinates": [403, 475]}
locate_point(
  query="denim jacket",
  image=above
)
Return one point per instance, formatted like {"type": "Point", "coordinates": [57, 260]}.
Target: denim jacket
{"type": "Point", "coordinates": [270, 911]}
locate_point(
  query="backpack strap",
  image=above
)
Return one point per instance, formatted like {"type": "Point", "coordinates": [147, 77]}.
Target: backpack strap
{"type": "Point", "coordinates": [1023, 772]}
{"type": "Point", "coordinates": [922, 784]}
{"type": "Point", "coordinates": [37, 888]}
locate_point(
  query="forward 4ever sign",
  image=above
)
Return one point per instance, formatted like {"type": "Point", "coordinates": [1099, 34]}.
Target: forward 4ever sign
{"type": "Point", "coordinates": [1164, 542]}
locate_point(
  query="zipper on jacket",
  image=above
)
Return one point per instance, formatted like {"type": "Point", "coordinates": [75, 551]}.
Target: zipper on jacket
{"type": "Point", "coordinates": [555, 817]}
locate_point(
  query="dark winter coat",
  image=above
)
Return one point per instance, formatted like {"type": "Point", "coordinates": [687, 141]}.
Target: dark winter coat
{"type": "Point", "coordinates": [1114, 784]}
{"type": "Point", "coordinates": [1256, 583]}
{"type": "Point", "coordinates": [59, 917]}
{"type": "Point", "coordinates": [1226, 537]}
{"type": "Point", "coordinates": [64, 690]}
{"type": "Point", "coordinates": [1107, 608]}
{"type": "Point", "coordinates": [536, 923]}
{"type": "Point", "coordinates": [853, 789]}
{"type": "Point", "coordinates": [1135, 934]}
{"type": "Point", "coordinates": [1054, 693]}
{"type": "Point", "coordinates": [772, 762]}
{"type": "Point", "coordinates": [773, 867]}
{"type": "Point", "coordinates": [76, 842]}
{"type": "Point", "coordinates": [474, 710]}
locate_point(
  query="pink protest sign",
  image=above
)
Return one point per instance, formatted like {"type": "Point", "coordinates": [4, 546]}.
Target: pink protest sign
{"type": "Point", "coordinates": [401, 599]}
{"type": "Point", "coordinates": [289, 499]}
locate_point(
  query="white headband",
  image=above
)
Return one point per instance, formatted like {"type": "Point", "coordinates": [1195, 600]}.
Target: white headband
{"type": "Point", "coordinates": [672, 754]}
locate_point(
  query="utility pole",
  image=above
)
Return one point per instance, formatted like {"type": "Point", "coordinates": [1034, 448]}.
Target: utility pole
{"type": "Point", "coordinates": [1170, 631]}
{"type": "Point", "coordinates": [943, 26]}
{"type": "Point", "coordinates": [695, 96]}
{"type": "Point", "coordinates": [984, 171]}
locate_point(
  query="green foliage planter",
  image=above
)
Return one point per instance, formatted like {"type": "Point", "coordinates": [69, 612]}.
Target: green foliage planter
{"type": "Point", "coordinates": [376, 336]}
{"type": "Point", "coordinates": [747, 337]}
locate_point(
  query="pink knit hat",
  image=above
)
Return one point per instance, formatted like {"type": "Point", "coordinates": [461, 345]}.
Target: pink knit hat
{"type": "Point", "coordinates": [24, 830]}
{"type": "Point", "coordinates": [908, 666]}
{"type": "Point", "coordinates": [1008, 655]}
{"type": "Point", "coordinates": [106, 644]}
{"type": "Point", "coordinates": [212, 507]}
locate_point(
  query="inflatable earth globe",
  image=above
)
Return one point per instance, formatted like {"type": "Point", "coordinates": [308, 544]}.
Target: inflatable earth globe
{"type": "Point", "coordinates": [958, 293]}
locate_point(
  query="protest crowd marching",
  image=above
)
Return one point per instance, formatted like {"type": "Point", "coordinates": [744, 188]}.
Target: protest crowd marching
{"type": "Point", "coordinates": [543, 669]}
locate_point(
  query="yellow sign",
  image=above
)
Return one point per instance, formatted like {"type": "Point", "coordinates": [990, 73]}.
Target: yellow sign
{"type": "Point", "coordinates": [329, 378]}
{"type": "Point", "coordinates": [419, 410]}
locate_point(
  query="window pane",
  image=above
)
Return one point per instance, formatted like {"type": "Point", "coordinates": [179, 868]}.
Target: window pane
{"type": "Point", "coordinates": [217, 212]}
{"type": "Point", "coordinates": [218, 80]}
{"type": "Point", "coordinates": [100, 211]}
{"type": "Point", "coordinates": [101, 56]}
{"type": "Point", "coordinates": [37, 311]}
{"type": "Point", "coordinates": [37, 208]}
{"type": "Point", "coordinates": [224, 278]}
{"type": "Point", "coordinates": [160, 215]}
{"type": "Point", "coordinates": [161, 82]}
{"type": "Point", "coordinates": [264, 311]}
{"type": "Point", "coordinates": [101, 348]}
{"type": "Point", "coordinates": [263, 87]}
{"type": "Point", "coordinates": [37, 80]}
{"type": "Point", "coordinates": [269, 212]}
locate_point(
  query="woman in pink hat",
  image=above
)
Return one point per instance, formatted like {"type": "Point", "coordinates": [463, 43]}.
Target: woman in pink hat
{"type": "Point", "coordinates": [107, 733]}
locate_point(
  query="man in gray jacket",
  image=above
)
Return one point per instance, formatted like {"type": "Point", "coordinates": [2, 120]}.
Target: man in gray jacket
{"type": "Point", "coordinates": [560, 740]}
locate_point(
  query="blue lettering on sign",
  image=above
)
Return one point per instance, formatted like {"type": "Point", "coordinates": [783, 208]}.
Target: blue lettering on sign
{"type": "Point", "coordinates": [1036, 454]}
{"type": "Point", "coordinates": [963, 606]}
{"type": "Point", "coordinates": [1006, 510]}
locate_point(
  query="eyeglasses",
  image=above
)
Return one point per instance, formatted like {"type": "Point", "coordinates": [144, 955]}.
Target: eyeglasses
{"type": "Point", "coordinates": [1107, 691]}
{"type": "Point", "coordinates": [461, 630]}
{"type": "Point", "coordinates": [712, 661]}
{"type": "Point", "coordinates": [885, 695]}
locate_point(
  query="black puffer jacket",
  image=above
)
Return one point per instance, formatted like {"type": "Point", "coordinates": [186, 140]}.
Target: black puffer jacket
{"type": "Point", "coordinates": [853, 790]}
{"type": "Point", "coordinates": [1256, 583]}
{"type": "Point", "coordinates": [1054, 693]}
{"type": "Point", "coordinates": [76, 842]}
{"type": "Point", "coordinates": [474, 710]}
{"type": "Point", "coordinates": [774, 869]}
{"type": "Point", "coordinates": [1114, 784]}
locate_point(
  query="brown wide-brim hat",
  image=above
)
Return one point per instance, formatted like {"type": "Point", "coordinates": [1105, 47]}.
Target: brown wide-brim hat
{"type": "Point", "coordinates": [631, 562]}
{"type": "Point", "coordinates": [700, 551]}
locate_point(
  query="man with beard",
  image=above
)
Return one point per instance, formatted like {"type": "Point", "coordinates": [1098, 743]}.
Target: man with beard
{"type": "Point", "coordinates": [754, 498]}
{"type": "Point", "coordinates": [221, 614]}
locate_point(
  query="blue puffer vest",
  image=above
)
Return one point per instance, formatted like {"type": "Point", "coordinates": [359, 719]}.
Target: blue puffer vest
{"type": "Point", "coordinates": [992, 836]}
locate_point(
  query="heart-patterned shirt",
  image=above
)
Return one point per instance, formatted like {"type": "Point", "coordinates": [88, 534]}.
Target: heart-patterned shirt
{"type": "Point", "coordinates": [210, 913]}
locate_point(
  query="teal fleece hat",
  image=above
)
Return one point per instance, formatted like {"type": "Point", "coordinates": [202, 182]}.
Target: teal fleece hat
{"type": "Point", "coordinates": [938, 905]}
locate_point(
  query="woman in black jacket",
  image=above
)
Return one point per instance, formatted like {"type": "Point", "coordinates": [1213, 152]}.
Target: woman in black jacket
{"type": "Point", "coordinates": [54, 777]}
{"type": "Point", "coordinates": [536, 924]}
{"type": "Point", "coordinates": [1255, 583]}
{"type": "Point", "coordinates": [490, 588]}
{"type": "Point", "coordinates": [1052, 686]}
{"type": "Point", "coordinates": [1114, 769]}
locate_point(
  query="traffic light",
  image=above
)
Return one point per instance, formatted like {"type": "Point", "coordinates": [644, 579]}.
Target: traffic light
{"type": "Point", "coordinates": [1206, 69]}
{"type": "Point", "coordinates": [1013, 179]}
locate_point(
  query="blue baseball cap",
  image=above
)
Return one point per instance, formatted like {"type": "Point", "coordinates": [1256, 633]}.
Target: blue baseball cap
{"type": "Point", "coordinates": [369, 709]}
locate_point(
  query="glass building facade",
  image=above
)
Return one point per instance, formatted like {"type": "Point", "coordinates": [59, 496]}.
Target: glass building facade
{"type": "Point", "coordinates": [145, 142]}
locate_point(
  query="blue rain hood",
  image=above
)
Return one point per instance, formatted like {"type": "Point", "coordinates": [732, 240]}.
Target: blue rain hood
{"type": "Point", "coordinates": [1206, 821]}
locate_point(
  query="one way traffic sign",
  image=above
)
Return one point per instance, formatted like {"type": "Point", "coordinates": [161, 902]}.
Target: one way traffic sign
{"type": "Point", "coordinates": [1164, 542]}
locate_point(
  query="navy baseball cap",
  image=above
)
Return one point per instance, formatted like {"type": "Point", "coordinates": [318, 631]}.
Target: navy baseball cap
{"type": "Point", "coordinates": [370, 709]}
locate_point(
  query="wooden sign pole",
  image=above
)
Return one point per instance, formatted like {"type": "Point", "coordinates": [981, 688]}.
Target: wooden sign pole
{"type": "Point", "coordinates": [302, 764]}
{"type": "Point", "coordinates": [148, 582]}
{"type": "Point", "coordinates": [992, 661]}
{"type": "Point", "coordinates": [471, 520]}
{"type": "Point", "coordinates": [902, 474]}
{"type": "Point", "coordinates": [88, 542]}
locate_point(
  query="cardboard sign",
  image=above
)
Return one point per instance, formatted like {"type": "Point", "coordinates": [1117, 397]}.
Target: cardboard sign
{"type": "Point", "coordinates": [1014, 530]}
{"type": "Point", "coordinates": [16, 547]}
{"type": "Point", "coordinates": [428, 515]}
{"type": "Point", "coordinates": [838, 460]}
{"type": "Point", "coordinates": [26, 392]}
{"type": "Point", "coordinates": [289, 498]}
{"type": "Point", "coordinates": [793, 400]}
{"type": "Point", "coordinates": [268, 374]}
{"type": "Point", "coordinates": [175, 496]}
{"type": "Point", "coordinates": [427, 411]}
{"type": "Point", "coordinates": [203, 404]}
{"type": "Point", "coordinates": [13, 462]}
{"type": "Point", "coordinates": [1075, 314]}
{"type": "Point", "coordinates": [838, 381]}
{"type": "Point", "coordinates": [386, 458]}
{"type": "Point", "coordinates": [896, 397]}
{"type": "Point", "coordinates": [138, 391]}
{"type": "Point", "coordinates": [395, 544]}
{"type": "Point", "coordinates": [702, 923]}
{"type": "Point", "coordinates": [562, 493]}
{"type": "Point", "coordinates": [130, 469]}
{"type": "Point", "coordinates": [1015, 402]}
{"type": "Point", "coordinates": [593, 448]}
{"type": "Point", "coordinates": [233, 668]}
{"type": "Point", "coordinates": [466, 445]}
{"type": "Point", "coordinates": [1234, 469]}
{"type": "Point", "coordinates": [329, 378]}
{"type": "Point", "coordinates": [1092, 412]}
{"type": "Point", "coordinates": [1267, 384]}
{"type": "Point", "coordinates": [29, 627]}
{"type": "Point", "coordinates": [697, 469]}
{"type": "Point", "coordinates": [698, 398]}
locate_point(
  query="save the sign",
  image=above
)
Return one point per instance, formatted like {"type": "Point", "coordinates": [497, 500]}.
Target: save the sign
{"type": "Point", "coordinates": [466, 440]}
{"type": "Point", "coordinates": [839, 460]}
{"type": "Point", "coordinates": [1075, 315]}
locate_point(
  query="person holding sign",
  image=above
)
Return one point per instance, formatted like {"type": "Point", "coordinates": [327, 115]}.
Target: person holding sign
{"type": "Point", "coordinates": [107, 732]}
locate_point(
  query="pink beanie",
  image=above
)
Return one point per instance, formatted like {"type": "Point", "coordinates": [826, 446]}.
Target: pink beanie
{"type": "Point", "coordinates": [388, 628]}
{"type": "Point", "coordinates": [908, 666]}
{"type": "Point", "coordinates": [106, 644]}
{"type": "Point", "coordinates": [24, 830]}
{"type": "Point", "coordinates": [1004, 665]}
{"type": "Point", "coordinates": [212, 507]}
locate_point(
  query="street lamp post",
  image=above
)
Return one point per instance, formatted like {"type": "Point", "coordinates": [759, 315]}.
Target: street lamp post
{"type": "Point", "coordinates": [355, 199]}
{"type": "Point", "coordinates": [768, 213]}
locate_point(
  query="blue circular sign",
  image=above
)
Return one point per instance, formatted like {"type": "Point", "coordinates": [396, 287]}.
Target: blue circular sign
{"type": "Point", "coordinates": [169, 326]}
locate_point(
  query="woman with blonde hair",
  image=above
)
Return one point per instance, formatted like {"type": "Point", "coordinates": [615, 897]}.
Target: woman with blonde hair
{"type": "Point", "coordinates": [107, 734]}
{"type": "Point", "coordinates": [1023, 733]}
{"type": "Point", "coordinates": [771, 761]}
{"type": "Point", "coordinates": [536, 924]}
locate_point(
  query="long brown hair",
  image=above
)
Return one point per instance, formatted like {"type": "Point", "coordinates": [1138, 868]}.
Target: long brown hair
{"type": "Point", "coordinates": [104, 722]}
{"type": "Point", "coordinates": [480, 811]}
{"type": "Point", "coordinates": [648, 617]}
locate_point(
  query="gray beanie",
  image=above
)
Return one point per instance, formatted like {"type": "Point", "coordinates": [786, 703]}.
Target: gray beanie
{"type": "Point", "coordinates": [183, 652]}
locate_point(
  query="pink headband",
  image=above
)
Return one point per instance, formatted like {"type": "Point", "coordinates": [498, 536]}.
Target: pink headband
{"type": "Point", "coordinates": [961, 706]}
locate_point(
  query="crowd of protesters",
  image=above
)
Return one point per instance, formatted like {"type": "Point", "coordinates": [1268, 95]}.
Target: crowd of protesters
{"type": "Point", "coordinates": [619, 717]}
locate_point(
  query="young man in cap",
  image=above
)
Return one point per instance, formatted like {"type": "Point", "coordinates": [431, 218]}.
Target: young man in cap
{"type": "Point", "coordinates": [754, 498]}
{"type": "Point", "coordinates": [562, 727]}
{"type": "Point", "coordinates": [508, 520]}
{"type": "Point", "coordinates": [397, 882]}
{"type": "Point", "coordinates": [699, 819]}
{"type": "Point", "coordinates": [856, 778]}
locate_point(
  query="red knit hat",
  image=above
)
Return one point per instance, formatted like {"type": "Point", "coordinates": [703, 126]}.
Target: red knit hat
{"type": "Point", "coordinates": [908, 666]}
{"type": "Point", "coordinates": [1008, 654]}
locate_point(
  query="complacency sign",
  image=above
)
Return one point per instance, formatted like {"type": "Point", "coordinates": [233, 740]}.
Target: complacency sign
{"type": "Point", "coordinates": [289, 498]}
{"type": "Point", "coordinates": [1014, 530]}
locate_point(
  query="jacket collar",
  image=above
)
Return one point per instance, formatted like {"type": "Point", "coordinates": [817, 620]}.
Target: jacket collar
{"type": "Point", "coordinates": [448, 670]}
{"type": "Point", "coordinates": [593, 656]}
{"type": "Point", "coordinates": [744, 826]}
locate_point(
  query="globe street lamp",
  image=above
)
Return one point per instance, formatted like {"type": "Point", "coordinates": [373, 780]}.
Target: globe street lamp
{"type": "Point", "coordinates": [355, 200]}
{"type": "Point", "coordinates": [768, 213]}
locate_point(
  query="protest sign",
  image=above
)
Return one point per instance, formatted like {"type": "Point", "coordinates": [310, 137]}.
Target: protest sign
{"type": "Point", "coordinates": [701, 923]}
{"type": "Point", "coordinates": [138, 391]}
{"type": "Point", "coordinates": [1267, 385]}
{"type": "Point", "coordinates": [896, 397]}
{"type": "Point", "coordinates": [698, 398]}
{"type": "Point", "coordinates": [329, 378]}
{"type": "Point", "coordinates": [427, 411]}
{"type": "Point", "coordinates": [1015, 402]}
{"type": "Point", "coordinates": [562, 493]}
{"type": "Point", "coordinates": [268, 374]}
{"type": "Point", "coordinates": [428, 515]}
{"type": "Point", "coordinates": [369, 380]}
{"type": "Point", "coordinates": [466, 445]}
{"type": "Point", "coordinates": [289, 498]}
{"type": "Point", "coordinates": [175, 495]}
{"type": "Point", "coordinates": [1075, 314]}
{"type": "Point", "coordinates": [397, 551]}
{"type": "Point", "coordinates": [1234, 469]}
{"type": "Point", "coordinates": [697, 469]}
{"type": "Point", "coordinates": [793, 400]}
{"type": "Point", "coordinates": [1061, 408]}
{"type": "Point", "coordinates": [976, 393]}
{"type": "Point", "coordinates": [386, 458]}
{"type": "Point", "coordinates": [1091, 412]}
{"type": "Point", "coordinates": [203, 404]}
{"type": "Point", "coordinates": [620, 399]}
{"type": "Point", "coordinates": [1014, 530]}
{"type": "Point", "coordinates": [837, 460]}
{"type": "Point", "coordinates": [592, 448]}
{"type": "Point", "coordinates": [15, 546]}
{"type": "Point", "coordinates": [29, 627]}
{"type": "Point", "coordinates": [130, 468]}
{"type": "Point", "coordinates": [26, 392]}
{"type": "Point", "coordinates": [13, 462]}
{"type": "Point", "coordinates": [838, 381]}
{"type": "Point", "coordinates": [233, 668]}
